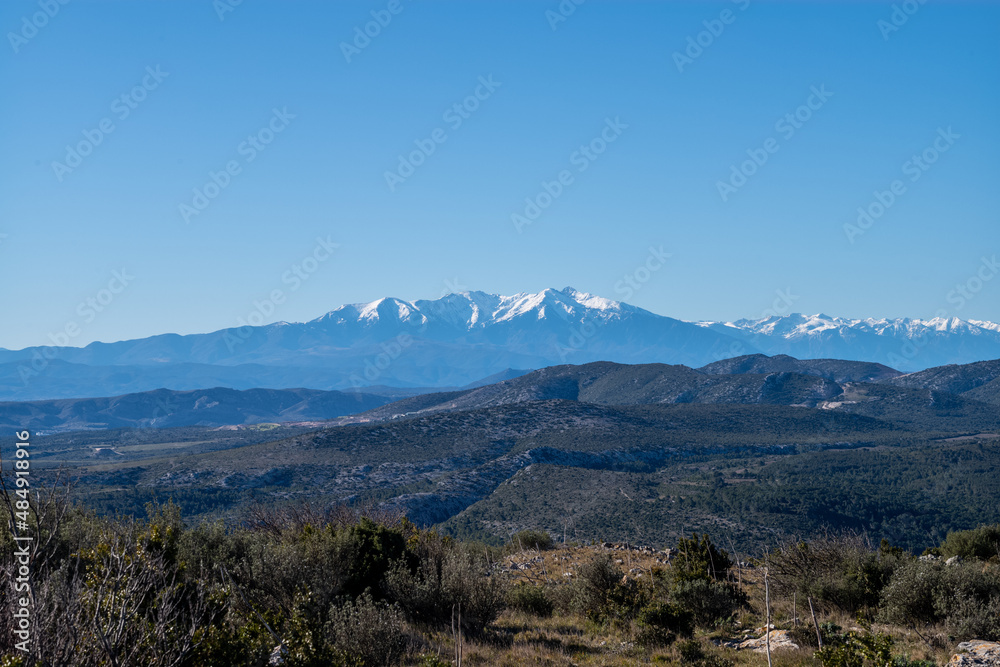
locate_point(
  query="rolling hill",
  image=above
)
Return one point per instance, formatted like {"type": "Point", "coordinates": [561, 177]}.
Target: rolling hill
{"type": "Point", "coordinates": [164, 408]}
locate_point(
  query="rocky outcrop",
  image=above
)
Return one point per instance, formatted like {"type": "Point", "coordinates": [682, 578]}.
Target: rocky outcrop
{"type": "Point", "coordinates": [976, 653]}
{"type": "Point", "coordinates": [780, 640]}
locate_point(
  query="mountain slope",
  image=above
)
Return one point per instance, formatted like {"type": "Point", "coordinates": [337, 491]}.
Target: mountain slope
{"type": "Point", "coordinates": [956, 379]}
{"type": "Point", "coordinates": [914, 400]}
{"type": "Point", "coordinates": [164, 409]}
{"type": "Point", "coordinates": [837, 370]}
{"type": "Point", "coordinates": [610, 471]}
{"type": "Point", "coordinates": [606, 383]}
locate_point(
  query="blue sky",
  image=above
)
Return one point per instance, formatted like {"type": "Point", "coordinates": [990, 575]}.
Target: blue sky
{"type": "Point", "coordinates": [277, 72]}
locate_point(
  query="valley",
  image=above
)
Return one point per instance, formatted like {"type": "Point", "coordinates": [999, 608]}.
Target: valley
{"type": "Point", "coordinates": [598, 451]}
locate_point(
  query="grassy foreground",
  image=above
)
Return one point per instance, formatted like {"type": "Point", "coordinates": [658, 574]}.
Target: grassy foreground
{"type": "Point", "coordinates": [303, 587]}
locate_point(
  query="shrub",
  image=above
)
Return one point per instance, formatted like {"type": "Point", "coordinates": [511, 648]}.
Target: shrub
{"type": "Point", "coordinates": [531, 539]}
{"type": "Point", "coordinates": [371, 549]}
{"type": "Point", "coordinates": [708, 602]}
{"type": "Point", "coordinates": [865, 650]}
{"type": "Point", "coordinates": [843, 571]}
{"type": "Point", "coordinates": [659, 624]}
{"type": "Point", "coordinates": [982, 543]}
{"type": "Point", "coordinates": [598, 592]}
{"type": "Point", "coordinates": [367, 632]}
{"type": "Point", "coordinates": [965, 597]}
{"type": "Point", "coordinates": [974, 616]}
{"type": "Point", "coordinates": [272, 568]}
{"type": "Point", "coordinates": [444, 577]}
{"type": "Point", "coordinates": [700, 559]}
{"type": "Point", "coordinates": [858, 650]}
{"type": "Point", "coordinates": [530, 599]}
{"type": "Point", "coordinates": [691, 651]}
{"type": "Point", "coordinates": [473, 586]}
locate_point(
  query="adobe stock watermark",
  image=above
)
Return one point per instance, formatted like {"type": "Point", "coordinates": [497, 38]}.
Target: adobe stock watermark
{"type": "Point", "coordinates": [581, 159]}
{"type": "Point", "coordinates": [454, 116]}
{"type": "Point", "coordinates": [376, 365]}
{"type": "Point", "coordinates": [901, 13]}
{"type": "Point", "coordinates": [363, 35]}
{"type": "Point", "coordinates": [223, 7]}
{"type": "Point", "coordinates": [914, 168]}
{"type": "Point", "coordinates": [958, 297]}
{"type": "Point", "coordinates": [87, 311]}
{"type": "Point", "coordinates": [294, 277]}
{"type": "Point", "coordinates": [965, 292]}
{"type": "Point", "coordinates": [30, 25]}
{"type": "Point", "coordinates": [121, 107]}
{"type": "Point", "coordinates": [563, 11]}
{"type": "Point", "coordinates": [20, 532]}
{"type": "Point", "coordinates": [633, 281]}
{"type": "Point", "coordinates": [714, 28]}
{"type": "Point", "coordinates": [786, 126]}
{"type": "Point", "coordinates": [247, 149]}
{"type": "Point", "coordinates": [453, 286]}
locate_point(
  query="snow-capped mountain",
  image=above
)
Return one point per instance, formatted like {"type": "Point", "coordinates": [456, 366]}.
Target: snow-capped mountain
{"type": "Point", "coordinates": [477, 310]}
{"type": "Point", "coordinates": [905, 344]}
{"type": "Point", "coordinates": [451, 341]}
{"type": "Point", "coordinates": [463, 337]}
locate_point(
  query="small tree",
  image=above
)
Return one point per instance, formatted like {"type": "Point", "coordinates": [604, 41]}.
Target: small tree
{"type": "Point", "coordinates": [699, 559]}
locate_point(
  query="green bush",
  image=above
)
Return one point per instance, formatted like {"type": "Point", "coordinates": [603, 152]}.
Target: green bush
{"type": "Point", "coordinates": [964, 596]}
{"type": "Point", "coordinates": [530, 599]}
{"type": "Point", "coordinates": [843, 571]}
{"type": "Point", "coordinates": [660, 624]}
{"type": "Point", "coordinates": [693, 654]}
{"type": "Point", "coordinates": [531, 539]}
{"type": "Point", "coordinates": [708, 602]}
{"type": "Point", "coordinates": [858, 650]}
{"type": "Point", "coordinates": [865, 650]}
{"type": "Point", "coordinates": [367, 632]}
{"type": "Point", "coordinates": [700, 559]}
{"type": "Point", "coordinates": [446, 577]}
{"type": "Point", "coordinates": [598, 591]}
{"type": "Point", "coordinates": [982, 543]}
{"type": "Point", "coordinates": [371, 550]}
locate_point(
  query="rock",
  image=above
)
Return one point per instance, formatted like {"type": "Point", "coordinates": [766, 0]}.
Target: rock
{"type": "Point", "coordinates": [278, 655]}
{"type": "Point", "coordinates": [954, 560]}
{"type": "Point", "coordinates": [976, 653]}
{"type": "Point", "coordinates": [929, 558]}
{"type": "Point", "coordinates": [779, 641]}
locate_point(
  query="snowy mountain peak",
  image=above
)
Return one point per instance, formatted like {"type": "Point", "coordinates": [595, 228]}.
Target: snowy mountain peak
{"type": "Point", "coordinates": [475, 309]}
{"type": "Point", "coordinates": [903, 343]}
{"type": "Point", "coordinates": [461, 337]}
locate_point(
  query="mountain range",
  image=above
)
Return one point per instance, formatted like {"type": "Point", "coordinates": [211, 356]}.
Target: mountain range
{"type": "Point", "coordinates": [771, 447]}
{"type": "Point", "coordinates": [965, 394]}
{"type": "Point", "coordinates": [464, 337]}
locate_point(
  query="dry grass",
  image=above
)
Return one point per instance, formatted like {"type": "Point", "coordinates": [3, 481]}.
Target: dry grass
{"type": "Point", "coordinates": [517, 638]}
{"type": "Point", "coordinates": [560, 565]}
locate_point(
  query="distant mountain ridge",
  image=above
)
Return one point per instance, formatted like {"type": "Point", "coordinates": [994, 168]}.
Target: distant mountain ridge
{"type": "Point", "coordinates": [163, 408]}
{"type": "Point", "coordinates": [916, 401]}
{"type": "Point", "coordinates": [463, 337]}
{"type": "Point", "coordinates": [902, 343]}
{"type": "Point", "coordinates": [217, 406]}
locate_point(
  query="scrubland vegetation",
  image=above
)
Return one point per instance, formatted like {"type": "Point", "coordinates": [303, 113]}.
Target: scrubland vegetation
{"type": "Point", "coordinates": [303, 587]}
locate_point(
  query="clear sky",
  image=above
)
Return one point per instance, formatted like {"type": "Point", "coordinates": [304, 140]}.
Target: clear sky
{"type": "Point", "coordinates": [206, 88]}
